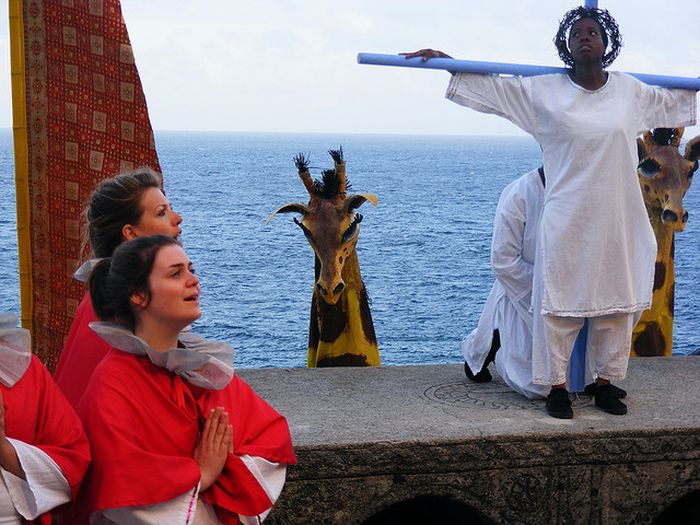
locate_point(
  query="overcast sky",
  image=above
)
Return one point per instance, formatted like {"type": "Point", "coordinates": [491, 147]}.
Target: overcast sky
{"type": "Point", "coordinates": [290, 65]}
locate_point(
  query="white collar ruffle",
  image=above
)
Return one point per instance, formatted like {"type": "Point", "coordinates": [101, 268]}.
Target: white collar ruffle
{"type": "Point", "coordinates": [204, 363]}
{"type": "Point", "coordinates": [83, 272]}
{"type": "Point", "coordinates": [15, 350]}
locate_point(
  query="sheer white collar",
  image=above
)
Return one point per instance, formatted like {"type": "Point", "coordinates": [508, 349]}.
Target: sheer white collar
{"type": "Point", "coordinates": [15, 350]}
{"type": "Point", "coordinates": [83, 273]}
{"type": "Point", "coordinates": [208, 364]}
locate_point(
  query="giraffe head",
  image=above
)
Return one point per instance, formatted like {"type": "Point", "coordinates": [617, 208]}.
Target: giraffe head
{"type": "Point", "coordinates": [329, 221]}
{"type": "Point", "coordinates": [665, 175]}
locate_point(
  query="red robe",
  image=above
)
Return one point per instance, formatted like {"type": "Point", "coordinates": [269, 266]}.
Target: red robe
{"type": "Point", "coordinates": [143, 422]}
{"type": "Point", "coordinates": [82, 352]}
{"type": "Point", "coordinates": [37, 413]}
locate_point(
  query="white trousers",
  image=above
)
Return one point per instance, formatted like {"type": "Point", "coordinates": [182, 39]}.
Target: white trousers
{"type": "Point", "coordinates": [607, 349]}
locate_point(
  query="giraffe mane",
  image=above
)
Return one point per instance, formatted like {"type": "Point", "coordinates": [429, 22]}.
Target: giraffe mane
{"type": "Point", "coordinates": [664, 136]}
{"type": "Point", "coordinates": [329, 186]}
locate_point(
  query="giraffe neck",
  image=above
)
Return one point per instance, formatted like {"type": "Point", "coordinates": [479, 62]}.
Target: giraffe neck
{"type": "Point", "coordinates": [653, 335]}
{"type": "Point", "coordinates": [664, 239]}
{"type": "Point", "coordinates": [343, 334]}
{"type": "Point", "coordinates": [351, 273]}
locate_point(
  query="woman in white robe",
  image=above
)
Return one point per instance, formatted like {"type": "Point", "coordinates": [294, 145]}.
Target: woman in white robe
{"type": "Point", "coordinates": [596, 248]}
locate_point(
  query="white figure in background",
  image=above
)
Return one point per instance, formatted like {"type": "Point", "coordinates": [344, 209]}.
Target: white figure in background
{"type": "Point", "coordinates": [596, 248]}
{"type": "Point", "coordinates": [504, 332]}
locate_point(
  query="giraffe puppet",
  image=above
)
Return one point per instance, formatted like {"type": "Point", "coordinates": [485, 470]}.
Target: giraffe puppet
{"type": "Point", "coordinates": [341, 332]}
{"type": "Point", "coordinates": [665, 176]}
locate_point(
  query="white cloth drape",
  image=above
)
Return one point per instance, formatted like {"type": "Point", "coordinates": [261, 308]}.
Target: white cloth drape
{"type": "Point", "coordinates": [44, 489]}
{"type": "Point", "coordinates": [513, 251]}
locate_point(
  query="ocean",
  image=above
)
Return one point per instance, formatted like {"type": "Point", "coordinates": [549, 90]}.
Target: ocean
{"type": "Point", "coordinates": [423, 251]}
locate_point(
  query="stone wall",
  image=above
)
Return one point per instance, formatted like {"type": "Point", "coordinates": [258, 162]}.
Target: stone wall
{"type": "Point", "coordinates": [367, 439]}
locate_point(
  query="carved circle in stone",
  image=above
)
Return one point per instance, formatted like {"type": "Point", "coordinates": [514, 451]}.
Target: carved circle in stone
{"type": "Point", "coordinates": [492, 396]}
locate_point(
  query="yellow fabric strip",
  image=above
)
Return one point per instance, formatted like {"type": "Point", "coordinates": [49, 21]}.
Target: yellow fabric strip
{"type": "Point", "coordinates": [19, 129]}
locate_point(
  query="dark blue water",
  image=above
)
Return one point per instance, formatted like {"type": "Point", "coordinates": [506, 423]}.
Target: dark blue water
{"type": "Point", "coordinates": [424, 251]}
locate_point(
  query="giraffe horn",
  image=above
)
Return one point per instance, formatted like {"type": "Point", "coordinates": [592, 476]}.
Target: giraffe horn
{"type": "Point", "coordinates": [301, 161]}
{"type": "Point", "coordinates": [292, 207]}
{"type": "Point", "coordinates": [337, 155]}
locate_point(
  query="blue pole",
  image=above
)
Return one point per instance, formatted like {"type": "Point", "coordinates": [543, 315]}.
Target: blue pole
{"type": "Point", "coordinates": [475, 66]}
{"type": "Point", "coordinates": [577, 363]}
{"type": "Point", "coordinates": [591, 3]}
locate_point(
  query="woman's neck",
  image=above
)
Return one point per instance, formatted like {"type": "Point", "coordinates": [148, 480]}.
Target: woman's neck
{"type": "Point", "coordinates": [590, 76]}
{"type": "Point", "coordinates": [158, 337]}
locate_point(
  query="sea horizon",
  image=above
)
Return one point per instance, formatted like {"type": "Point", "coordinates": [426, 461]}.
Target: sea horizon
{"type": "Point", "coordinates": [423, 251]}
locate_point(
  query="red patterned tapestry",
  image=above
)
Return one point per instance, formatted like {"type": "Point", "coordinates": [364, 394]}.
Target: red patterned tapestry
{"type": "Point", "coordinates": [86, 121]}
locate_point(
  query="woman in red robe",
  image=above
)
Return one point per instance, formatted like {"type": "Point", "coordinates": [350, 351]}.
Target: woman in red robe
{"type": "Point", "coordinates": [176, 436]}
{"type": "Point", "coordinates": [44, 452]}
{"type": "Point", "coordinates": [128, 206]}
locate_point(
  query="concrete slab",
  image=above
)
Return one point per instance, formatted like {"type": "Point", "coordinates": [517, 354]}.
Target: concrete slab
{"type": "Point", "coordinates": [368, 438]}
{"type": "Point", "coordinates": [436, 402]}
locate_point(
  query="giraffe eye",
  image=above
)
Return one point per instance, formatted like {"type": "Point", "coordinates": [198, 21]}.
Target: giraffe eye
{"type": "Point", "coordinates": [350, 232]}
{"type": "Point", "coordinates": [649, 168]}
{"type": "Point", "coordinates": [306, 231]}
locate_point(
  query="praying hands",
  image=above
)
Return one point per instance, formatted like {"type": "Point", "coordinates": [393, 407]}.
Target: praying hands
{"type": "Point", "coordinates": [215, 443]}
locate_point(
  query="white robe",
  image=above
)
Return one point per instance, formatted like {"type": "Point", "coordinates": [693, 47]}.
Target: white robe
{"type": "Point", "coordinates": [513, 251]}
{"type": "Point", "coordinates": [596, 248]}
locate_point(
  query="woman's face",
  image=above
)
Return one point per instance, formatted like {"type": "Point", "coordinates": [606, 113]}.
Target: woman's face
{"type": "Point", "coordinates": [586, 41]}
{"type": "Point", "coordinates": [157, 218]}
{"type": "Point", "coordinates": [174, 288]}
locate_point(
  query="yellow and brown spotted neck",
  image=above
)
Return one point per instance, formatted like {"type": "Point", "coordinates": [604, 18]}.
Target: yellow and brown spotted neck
{"type": "Point", "coordinates": [664, 176]}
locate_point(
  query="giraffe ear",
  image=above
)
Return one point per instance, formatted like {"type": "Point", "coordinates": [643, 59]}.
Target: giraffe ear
{"type": "Point", "coordinates": [355, 201]}
{"type": "Point", "coordinates": [644, 144]}
{"type": "Point", "coordinates": [692, 149]}
{"type": "Point", "coordinates": [292, 207]}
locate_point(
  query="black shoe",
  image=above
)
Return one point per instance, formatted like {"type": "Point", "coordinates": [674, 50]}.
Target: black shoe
{"type": "Point", "coordinates": [559, 404]}
{"type": "Point", "coordinates": [606, 399]}
{"type": "Point", "coordinates": [484, 376]}
{"type": "Point", "coordinates": [616, 391]}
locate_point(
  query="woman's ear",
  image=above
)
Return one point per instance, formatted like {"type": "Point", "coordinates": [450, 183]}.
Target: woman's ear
{"type": "Point", "coordinates": [128, 232]}
{"type": "Point", "coordinates": [139, 299]}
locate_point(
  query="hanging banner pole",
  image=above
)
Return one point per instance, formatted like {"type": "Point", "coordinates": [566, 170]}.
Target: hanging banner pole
{"type": "Point", "coordinates": [502, 68]}
{"type": "Point", "coordinates": [19, 136]}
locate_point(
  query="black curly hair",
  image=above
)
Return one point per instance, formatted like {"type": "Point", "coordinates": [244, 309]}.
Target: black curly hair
{"type": "Point", "coordinates": [610, 33]}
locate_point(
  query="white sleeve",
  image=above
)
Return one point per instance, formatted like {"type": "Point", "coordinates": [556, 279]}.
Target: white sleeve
{"type": "Point", "coordinates": [187, 509]}
{"type": "Point", "coordinates": [666, 108]}
{"type": "Point", "coordinates": [271, 477]}
{"type": "Point", "coordinates": [45, 487]}
{"type": "Point", "coordinates": [512, 271]}
{"type": "Point", "coordinates": [507, 97]}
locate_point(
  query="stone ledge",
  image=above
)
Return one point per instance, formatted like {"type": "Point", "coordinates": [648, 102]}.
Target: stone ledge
{"type": "Point", "coordinates": [368, 438]}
